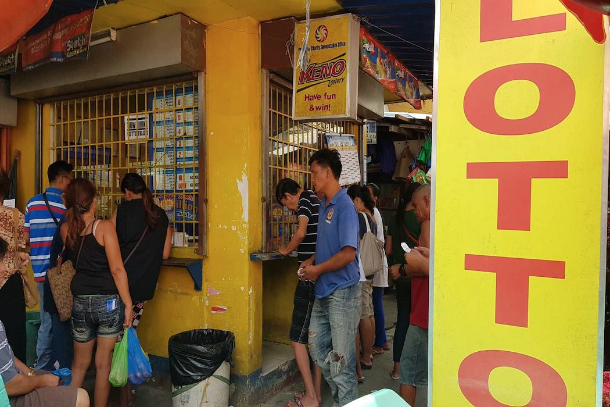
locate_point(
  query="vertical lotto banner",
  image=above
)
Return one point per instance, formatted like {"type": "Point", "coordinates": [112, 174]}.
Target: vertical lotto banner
{"type": "Point", "coordinates": [520, 201]}
{"type": "Point", "coordinates": [327, 88]}
{"type": "Point", "coordinates": [68, 38]}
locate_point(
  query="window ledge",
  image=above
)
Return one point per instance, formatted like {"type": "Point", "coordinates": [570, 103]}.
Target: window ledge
{"type": "Point", "coordinates": [194, 267]}
{"type": "Point", "coordinates": [269, 256]}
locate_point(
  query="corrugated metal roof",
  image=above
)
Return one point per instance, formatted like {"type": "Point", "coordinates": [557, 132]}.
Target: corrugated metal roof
{"type": "Point", "coordinates": [62, 8]}
{"type": "Point", "coordinates": [406, 27]}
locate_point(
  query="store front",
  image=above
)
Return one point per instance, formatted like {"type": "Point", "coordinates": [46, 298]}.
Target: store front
{"type": "Point", "coordinates": [211, 132]}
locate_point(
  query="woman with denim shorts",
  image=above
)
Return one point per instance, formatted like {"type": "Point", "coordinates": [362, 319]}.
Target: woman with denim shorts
{"type": "Point", "coordinates": [102, 304]}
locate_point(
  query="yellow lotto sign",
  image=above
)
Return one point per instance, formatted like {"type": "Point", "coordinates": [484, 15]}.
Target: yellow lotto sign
{"type": "Point", "coordinates": [327, 88]}
{"type": "Point", "coordinates": [520, 201]}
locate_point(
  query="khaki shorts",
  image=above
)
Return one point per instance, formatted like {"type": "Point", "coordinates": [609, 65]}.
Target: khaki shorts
{"type": "Point", "coordinates": [367, 299]}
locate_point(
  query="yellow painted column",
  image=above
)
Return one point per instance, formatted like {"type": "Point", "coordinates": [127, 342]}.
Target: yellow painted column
{"type": "Point", "coordinates": [233, 283]}
{"type": "Point", "coordinates": [23, 138]}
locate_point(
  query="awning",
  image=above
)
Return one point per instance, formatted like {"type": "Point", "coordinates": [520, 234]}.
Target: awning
{"type": "Point", "coordinates": [406, 27]}
{"type": "Point", "coordinates": [18, 17]}
{"type": "Point", "coordinates": [26, 17]}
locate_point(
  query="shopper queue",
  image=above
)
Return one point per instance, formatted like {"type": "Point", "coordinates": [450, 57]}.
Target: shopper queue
{"type": "Point", "coordinates": [338, 311]}
{"type": "Point", "coordinates": [116, 266]}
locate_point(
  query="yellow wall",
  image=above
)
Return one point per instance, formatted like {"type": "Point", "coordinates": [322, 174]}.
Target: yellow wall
{"type": "Point", "coordinates": [279, 282]}
{"type": "Point", "coordinates": [231, 280]}
{"type": "Point", "coordinates": [233, 141]}
{"type": "Point", "coordinates": [22, 139]}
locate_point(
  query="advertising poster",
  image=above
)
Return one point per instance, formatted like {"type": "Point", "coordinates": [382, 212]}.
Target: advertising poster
{"type": "Point", "coordinates": [68, 38]}
{"type": "Point", "coordinates": [407, 86]}
{"type": "Point", "coordinates": [136, 127]}
{"type": "Point", "coordinates": [371, 132]}
{"type": "Point", "coordinates": [327, 88]}
{"type": "Point", "coordinates": [348, 148]}
{"type": "Point", "coordinates": [520, 205]}
{"type": "Point", "coordinates": [8, 60]}
{"type": "Point", "coordinates": [377, 61]}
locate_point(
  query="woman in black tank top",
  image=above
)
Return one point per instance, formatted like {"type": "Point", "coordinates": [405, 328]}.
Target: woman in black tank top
{"type": "Point", "coordinates": [145, 239]}
{"type": "Point", "coordinates": [102, 303]}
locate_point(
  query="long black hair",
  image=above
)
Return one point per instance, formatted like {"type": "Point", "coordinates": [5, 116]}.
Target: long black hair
{"type": "Point", "coordinates": [357, 191]}
{"type": "Point", "coordinates": [135, 183]}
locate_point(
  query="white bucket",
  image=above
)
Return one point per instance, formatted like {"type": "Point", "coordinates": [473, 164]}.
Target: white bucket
{"type": "Point", "coordinates": [212, 392]}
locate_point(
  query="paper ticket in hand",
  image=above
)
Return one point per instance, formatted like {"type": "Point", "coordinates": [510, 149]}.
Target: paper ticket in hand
{"type": "Point", "coordinates": [405, 247]}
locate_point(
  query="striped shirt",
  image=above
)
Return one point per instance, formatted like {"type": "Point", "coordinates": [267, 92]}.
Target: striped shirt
{"type": "Point", "coordinates": [41, 227]}
{"type": "Point", "coordinates": [8, 371]}
{"type": "Point", "coordinates": [309, 207]}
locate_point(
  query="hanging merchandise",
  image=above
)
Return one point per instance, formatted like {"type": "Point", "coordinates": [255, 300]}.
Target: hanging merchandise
{"type": "Point", "coordinates": [387, 151]}
{"type": "Point", "coordinates": [403, 167]}
{"type": "Point", "coordinates": [419, 176]}
{"type": "Point", "coordinates": [425, 154]}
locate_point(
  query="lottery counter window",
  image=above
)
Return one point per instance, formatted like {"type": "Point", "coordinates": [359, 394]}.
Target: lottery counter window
{"type": "Point", "coordinates": [152, 131]}
{"type": "Point", "coordinates": [289, 145]}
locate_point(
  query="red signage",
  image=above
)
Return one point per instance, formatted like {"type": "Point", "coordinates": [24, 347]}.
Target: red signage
{"type": "Point", "coordinates": [407, 85]}
{"type": "Point", "coordinates": [68, 38]}
{"type": "Point", "coordinates": [376, 60]}
{"type": "Point", "coordinates": [8, 60]}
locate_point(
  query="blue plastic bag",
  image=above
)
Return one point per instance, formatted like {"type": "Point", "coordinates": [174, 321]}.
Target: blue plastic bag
{"type": "Point", "coordinates": [65, 375]}
{"type": "Point", "coordinates": [138, 366]}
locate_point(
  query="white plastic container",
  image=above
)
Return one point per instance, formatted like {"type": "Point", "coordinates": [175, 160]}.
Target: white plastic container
{"type": "Point", "coordinates": [212, 392]}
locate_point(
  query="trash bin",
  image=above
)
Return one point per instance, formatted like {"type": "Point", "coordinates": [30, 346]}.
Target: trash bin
{"type": "Point", "coordinates": [200, 367]}
{"type": "Point", "coordinates": [32, 324]}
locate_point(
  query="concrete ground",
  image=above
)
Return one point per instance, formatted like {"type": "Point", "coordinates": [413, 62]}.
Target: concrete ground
{"type": "Point", "coordinates": [157, 392]}
{"type": "Point", "coordinates": [376, 379]}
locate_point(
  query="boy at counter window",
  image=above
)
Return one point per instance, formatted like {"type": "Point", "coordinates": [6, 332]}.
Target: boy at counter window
{"type": "Point", "coordinates": [307, 205]}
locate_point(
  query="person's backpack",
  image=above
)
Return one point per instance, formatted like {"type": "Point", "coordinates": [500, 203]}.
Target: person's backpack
{"type": "Point", "coordinates": [371, 251]}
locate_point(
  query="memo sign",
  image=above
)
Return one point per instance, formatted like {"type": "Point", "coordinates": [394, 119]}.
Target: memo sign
{"type": "Point", "coordinates": [520, 204]}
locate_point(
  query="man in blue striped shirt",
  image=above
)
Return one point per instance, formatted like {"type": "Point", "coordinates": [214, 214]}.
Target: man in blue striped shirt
{"type": "Point", "coordinates": [42, 215]}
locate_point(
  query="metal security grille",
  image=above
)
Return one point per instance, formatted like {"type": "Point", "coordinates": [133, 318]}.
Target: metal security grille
{"type": "Point", "coordinates": [151, 131]}
{"type": "Point", "coordinates": [290, 145]}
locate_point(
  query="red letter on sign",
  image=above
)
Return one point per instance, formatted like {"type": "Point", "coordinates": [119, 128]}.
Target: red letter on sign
{"type": "Point", "coordinates": [513, 283]}
{"type": "Point", "coordinates": [497, 22]}
{"type": "Point", "coordinates": [515, 187]}
{"type": "Point", "coordinates": [557, 96]}
{"type": "Point", "coordinates": [548, 388]}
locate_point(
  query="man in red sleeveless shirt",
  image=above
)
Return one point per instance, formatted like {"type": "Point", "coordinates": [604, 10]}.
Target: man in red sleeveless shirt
{"type": "Point", "coordinates": [414, 359]}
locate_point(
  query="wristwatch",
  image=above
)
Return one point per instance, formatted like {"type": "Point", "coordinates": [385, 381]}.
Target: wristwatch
{"type": "Point", "coordinates": [402, 270]}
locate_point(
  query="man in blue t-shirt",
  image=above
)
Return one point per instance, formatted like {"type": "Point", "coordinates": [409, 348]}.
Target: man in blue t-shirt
{"type": "Point", "coordinates": [334, 268]}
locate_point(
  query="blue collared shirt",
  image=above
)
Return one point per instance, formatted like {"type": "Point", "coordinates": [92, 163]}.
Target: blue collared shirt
{"type": "Point", "coordinates": [337, 228]}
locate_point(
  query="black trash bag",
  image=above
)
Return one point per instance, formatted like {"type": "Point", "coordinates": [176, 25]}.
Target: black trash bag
{"type": "Point", "coordinates": [196, 355]}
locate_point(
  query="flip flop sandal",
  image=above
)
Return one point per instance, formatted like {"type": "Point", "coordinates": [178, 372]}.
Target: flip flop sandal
{"type": "Point", "coordinates": [377, 352]}
{"type": "Point", "coordinates": [294, 402]}
{"type": "Point", "coordinates": [299, 394]}
{"type": "Point", "coordinates": [392, 375]}
{"type": "Point", "coordinates": [364, 366]}
{"type": "Point", "coordinates": [361, 379]}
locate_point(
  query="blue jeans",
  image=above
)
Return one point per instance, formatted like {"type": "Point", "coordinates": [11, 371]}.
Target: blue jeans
{"type": "Point", "coordinates": [332, 336]}
{"type": "Point", "coordinates": [44, 345]}
{"type": "Point", "coordinates": [380, 338]}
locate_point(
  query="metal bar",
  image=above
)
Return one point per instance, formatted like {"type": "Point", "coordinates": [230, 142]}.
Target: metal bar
{"type": "Point", "coordinates": [202, 166]}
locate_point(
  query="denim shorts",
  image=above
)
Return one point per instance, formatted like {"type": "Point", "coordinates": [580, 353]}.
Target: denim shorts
{"type": "Point", "coordinates": [97, 316]}
{"type": "Point", "coordinates": [414, 358]}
